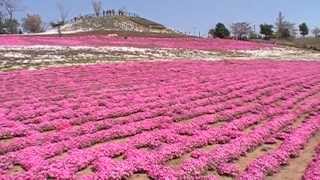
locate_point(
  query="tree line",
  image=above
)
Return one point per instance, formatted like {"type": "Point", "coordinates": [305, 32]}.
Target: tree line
{"type": "Point", "coordinates": [282, 29]}
{"type": "Point", "coordinates": [33, 23]}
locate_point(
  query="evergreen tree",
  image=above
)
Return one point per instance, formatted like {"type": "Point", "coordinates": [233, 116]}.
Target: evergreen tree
{"type": "Point", "coordinates": [221, 31]}
{"type": "Point", "coordinates": [304, 30]}
{"type": "Point", "coordinates": [266, 30]}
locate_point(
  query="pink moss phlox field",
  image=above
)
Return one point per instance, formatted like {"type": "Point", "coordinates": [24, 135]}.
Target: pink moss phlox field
{"type": "Point", "coordinates": [117, 120]}
{"type": "Point", "coordinates": [313, 170]}
{"type": "Point", "coordinates": [145, 42]}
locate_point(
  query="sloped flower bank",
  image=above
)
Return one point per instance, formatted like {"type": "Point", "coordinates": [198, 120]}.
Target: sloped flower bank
{"type": "Point", "coordinates": [145, 42]}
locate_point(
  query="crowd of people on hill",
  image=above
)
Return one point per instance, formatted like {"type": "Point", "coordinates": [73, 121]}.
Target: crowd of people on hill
{"type": "Point", "coordinates": [112, 12]}
{"type": "Point", "coordinates": [105, 13]}
{"type": "Point", "coordinates": [120, 12]}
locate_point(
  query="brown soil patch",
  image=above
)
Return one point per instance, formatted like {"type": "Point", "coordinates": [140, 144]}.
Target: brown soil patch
{"type": "Point", "coordinates": [251, 128]}
{"type": "Point", "coordinates": [47, 132]}
{"type": "Point", "coordinates": [213, 172]}
{"type": "Point", "coordinates": [120, 140]}
{"type": "Point", "coordinates": [139, 177]}
{"type": "Point", "coordinates": [217, 124]}
{"type": "Point", "coordinates": [85, 172]}
{"type": "Point", "coordinates": [299, 121]}
{"type": "Point", "coordinates": [177, 162]}
{"type": "Point", "coordinates": [6, 141]}
{"type": "Point", "coordinates": [254, 126]}
{"type": "Point", "coordinates": [185, 121]}
{"type": "Point", "coordinates": [120, 157]}
{"type": "Point", "coordinates": [243, 162]}
{"type": "Point", "coordinates": [16, 169]}
{"type": "Point", "coordinates": [58, 157]}
{"type": "Point", "coordinates": [209, 147]}
{"type": "Point", "coordinates": [189, 120]}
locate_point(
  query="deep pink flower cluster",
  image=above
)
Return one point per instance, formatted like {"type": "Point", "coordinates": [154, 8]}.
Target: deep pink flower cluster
{"type": "Point", "coordinates": [113, 121]}
{"type": "Point", "coordinates": [146, 42]}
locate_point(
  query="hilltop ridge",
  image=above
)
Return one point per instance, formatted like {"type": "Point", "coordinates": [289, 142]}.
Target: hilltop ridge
{"type": "Point", "coordinates": [113, 23]}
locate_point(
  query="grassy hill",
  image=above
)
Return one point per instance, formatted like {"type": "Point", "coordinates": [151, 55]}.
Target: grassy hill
{"type": "Point", "coordinates": [117, 25]}
{"type": "Point", "coordinates": [305, 43]}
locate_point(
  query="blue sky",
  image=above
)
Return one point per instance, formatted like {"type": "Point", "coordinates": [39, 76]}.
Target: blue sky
{"type": "Point", "coordinates": [191, 15]}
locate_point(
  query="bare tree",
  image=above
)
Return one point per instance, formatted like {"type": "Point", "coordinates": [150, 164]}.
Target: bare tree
{"type": "Point", "coordinates": [8, 8]}
{"type": "Point", "coordinates": [1, 7]}
{"type": "Point", "coordinates": [284, 28]}
{"type": "Point", "coordinates": [33, 24]}
{"type": "Point", "coordinates": [316, 32]}
{"type": "Point", "coordinates": [1, 23]}
{"type": "Point", "coordinates": [63, 12]}
{"type": "Point", "coordinates": [58, 26]}
{"type": "Point", "coordinates": [2, 16]}
{"type": "Point", "coordinates": [241, 29]}
{"type": "Point", "coordinates": [97, 7]}
{"type": "Point", "coordinates": [280, 22]}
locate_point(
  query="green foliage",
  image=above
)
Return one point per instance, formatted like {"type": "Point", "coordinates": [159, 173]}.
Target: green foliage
{"type": "Point", "coordinates": [2, 28]}
{"type": "Point", "coordinates": [11, 26]}
{"type": "Point", "coordinates": [304, 30]}
{"type": "Point", "coordinates": [266, 30]}
{"type": "Point", "coordinates": [221, 31]}
{"type": "Point", "coordinates": [8, 26]}
{"type": "Point", "coordinates": [253, 35]}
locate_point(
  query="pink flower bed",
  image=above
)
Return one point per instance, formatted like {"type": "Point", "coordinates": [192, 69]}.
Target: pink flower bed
{"type": "Point", "coordinates": [114, 121]}
{"type": "Point", "coordinates": [147, 42]}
